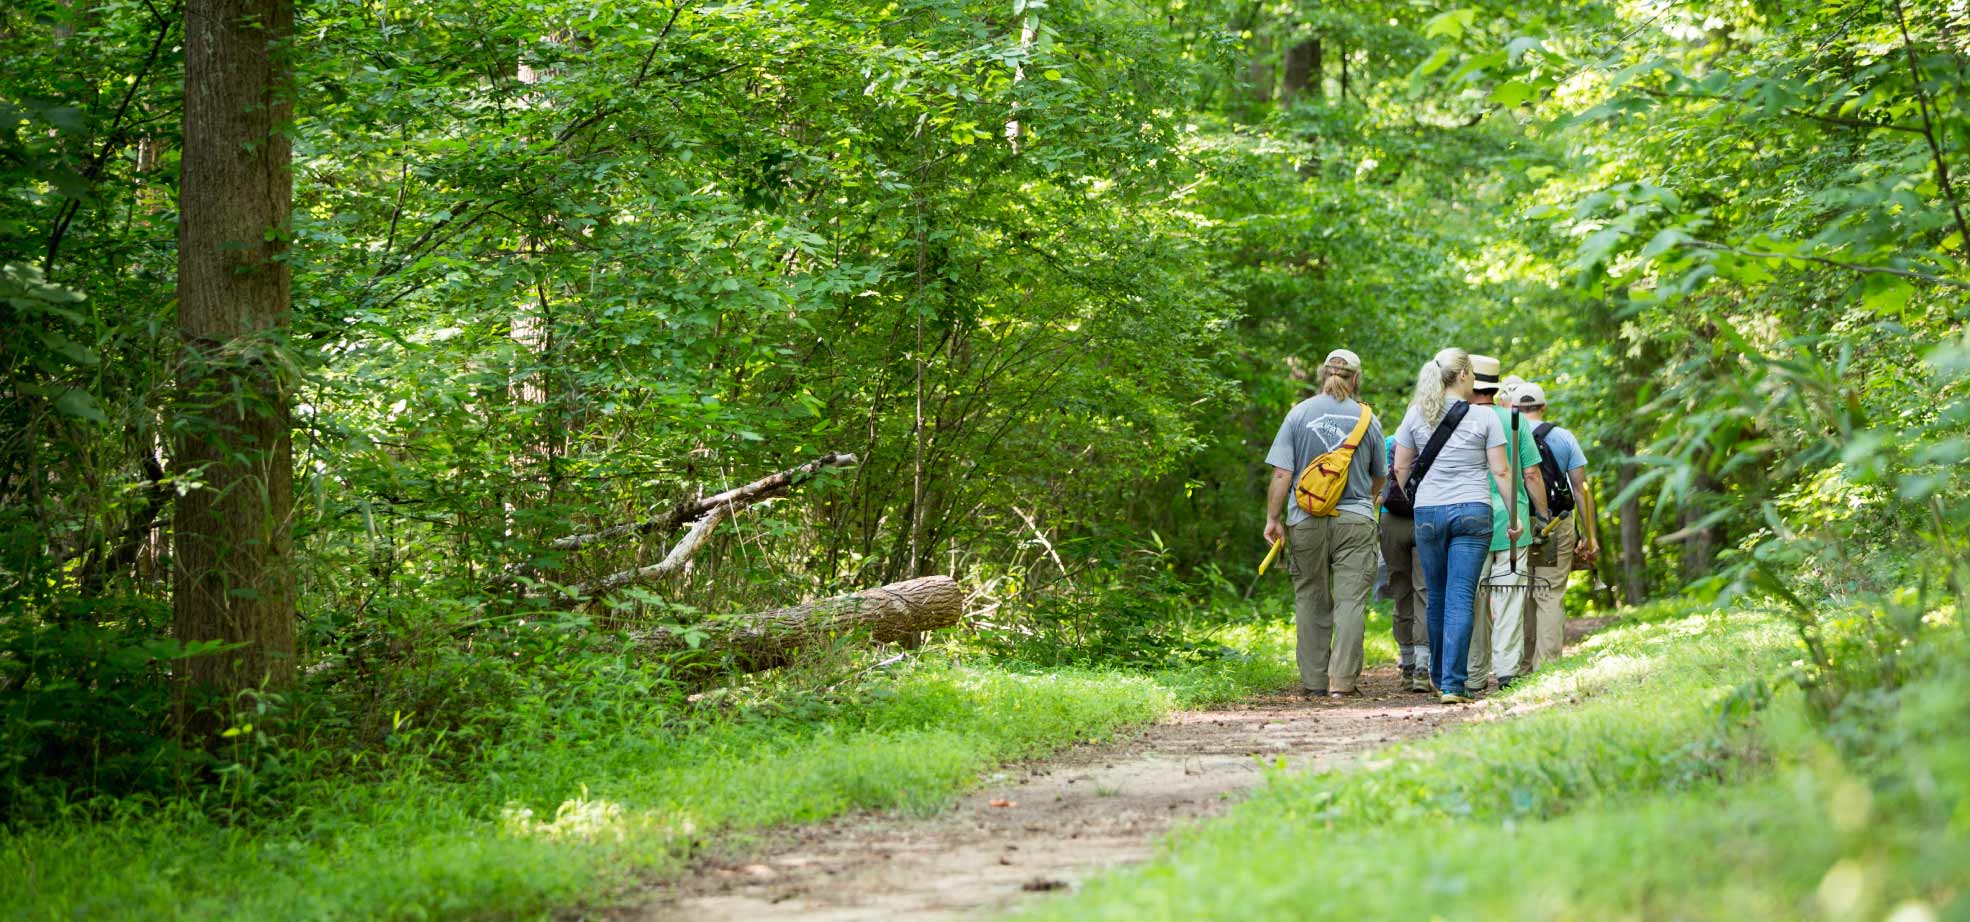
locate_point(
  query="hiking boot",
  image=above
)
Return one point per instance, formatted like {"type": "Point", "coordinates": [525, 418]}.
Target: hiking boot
{"type": "Point", "coordinates": [1350, 693]}
{"type": "Point", "coordinates": [1506, 682]}
{"type": "Point", "coordinates": [1456, 698]}
{"type": "Point", "coordinates": [1420, 682]}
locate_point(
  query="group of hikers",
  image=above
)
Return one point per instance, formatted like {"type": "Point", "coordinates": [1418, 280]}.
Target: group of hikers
{"type": "Point", "coordinates": [1472, 504]}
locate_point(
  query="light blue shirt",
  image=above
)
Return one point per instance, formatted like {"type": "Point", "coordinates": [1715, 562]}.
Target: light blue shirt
{"type": "Point", "coordinates": [1566, 450]}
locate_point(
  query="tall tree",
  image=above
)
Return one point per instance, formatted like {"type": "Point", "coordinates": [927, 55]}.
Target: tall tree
{"type": "Point", "coordinates": [232, 578]}
{"type": "Point", "coordinates": [1303, 70]}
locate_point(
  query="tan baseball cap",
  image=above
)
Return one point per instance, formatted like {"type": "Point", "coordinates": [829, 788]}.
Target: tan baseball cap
{"type": "Point", "coordinates": [1344, 359]}
{"type": "Point", "coordinates": [1485, 368]}
{"type": "Point", "coordinates": [1529, 396]}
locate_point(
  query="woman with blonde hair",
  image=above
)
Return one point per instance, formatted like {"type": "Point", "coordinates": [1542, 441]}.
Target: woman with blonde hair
{"type": "Point", "coordinates": [1450, 451]}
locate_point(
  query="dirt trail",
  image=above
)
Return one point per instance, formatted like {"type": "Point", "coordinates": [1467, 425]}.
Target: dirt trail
{"type": "Point", "coordinates": [1047, 825]}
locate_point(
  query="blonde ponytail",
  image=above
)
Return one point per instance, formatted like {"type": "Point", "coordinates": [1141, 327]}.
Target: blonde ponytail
{"type": "Point", "coordinates": [1339, 383]}
{"type": "Point", "coordinates": [1433, 381]}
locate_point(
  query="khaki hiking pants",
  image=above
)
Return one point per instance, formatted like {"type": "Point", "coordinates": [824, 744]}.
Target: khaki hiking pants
{"type": "Point", "coordinates": [1498, 618]}
{"type": "Point", "coordinates": [1332, 560]}
{"type": "Point", "coordinates": [1546, 617]}
{"type": "Point", "coordinates": [1406, 584]}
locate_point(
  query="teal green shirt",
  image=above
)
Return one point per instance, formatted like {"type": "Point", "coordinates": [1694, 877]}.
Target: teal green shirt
{"type": "Point", "coordinates": [1528, 455]}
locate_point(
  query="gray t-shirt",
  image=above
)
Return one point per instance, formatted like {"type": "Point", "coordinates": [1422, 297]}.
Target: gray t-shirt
{"type": "Point", "coordinates": [1462, 472]}
{"type": "Point", "coordinates": [1319, 424]}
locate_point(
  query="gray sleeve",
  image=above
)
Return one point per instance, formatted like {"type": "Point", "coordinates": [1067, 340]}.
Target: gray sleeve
{"type": "Point", "coordinates": [1281, 454]}
{"type": "Point", "coordinates": [1494, 431]}
{"type": "Point", "coordinates": [1405, 431]}
{"type": "Point", "coordinates": [1378, 459]}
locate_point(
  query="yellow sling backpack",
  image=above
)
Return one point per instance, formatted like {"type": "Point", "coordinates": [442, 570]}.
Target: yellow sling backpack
{"type": "Point", "coordinates": [1319, 489]}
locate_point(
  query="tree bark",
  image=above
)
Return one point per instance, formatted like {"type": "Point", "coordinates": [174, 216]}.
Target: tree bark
{"type": "Point", "coordinates": [1259, 69]}
{"type": "Point", "coordinates": [1634, 568]}
{"type": "Point", "coordinates": [1700, 548]}
{"type": "Point", "coordinates": [769, 639]}
{"type": "Point", "coordinates": [1303, 71]}
{"type": "Point", "coordinates": [230, 570]}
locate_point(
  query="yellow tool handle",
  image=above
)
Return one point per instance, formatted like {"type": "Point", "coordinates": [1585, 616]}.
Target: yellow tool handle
{"type": "Point", "coordinates": [1276, 545]}
{"type": "Point", "coordinates": [1555, 523]}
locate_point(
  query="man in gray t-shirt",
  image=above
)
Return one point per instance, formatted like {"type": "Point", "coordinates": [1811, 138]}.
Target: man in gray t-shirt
{"type": "Point", "coordinates": [1331, 558]}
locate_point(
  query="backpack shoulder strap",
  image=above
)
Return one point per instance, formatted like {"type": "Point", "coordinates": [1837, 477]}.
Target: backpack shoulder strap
{"type": "Point", "coordinates": [1438, 439]}
{"type": "Point", "coordinates": [1539, 431]}
{"type": "Point", "coordinates": [1360, 427]}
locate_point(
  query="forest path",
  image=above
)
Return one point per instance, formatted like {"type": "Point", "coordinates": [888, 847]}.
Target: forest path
{"type": "Point", "coordinates": [1044, 825]}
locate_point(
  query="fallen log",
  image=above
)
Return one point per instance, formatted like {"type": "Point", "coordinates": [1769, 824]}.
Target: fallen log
{"type": "Point", "coordinates": [768, 639]}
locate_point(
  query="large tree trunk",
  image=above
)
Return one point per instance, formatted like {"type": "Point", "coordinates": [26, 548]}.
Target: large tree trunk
{"type": "Point", "coordinates": [1303, 71]}
{"type": "Point", "coordinates": [232, 582]}
{"type": "Point", "coordinates": [768, 639]}
{"type": "Point", "coordinates": [1634, 568]}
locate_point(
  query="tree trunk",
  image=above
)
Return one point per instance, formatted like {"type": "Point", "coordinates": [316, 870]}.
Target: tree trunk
{"type": "Point", "coordinates": [1700, 548]}
{"type": "Point", "coordinates": [230, 571]}
{"type": "Point", "coordinates": [768, 639]}
{"type": "Point", "coordinates": [1303, 71]}
{"type": "Point", "coordinates": [1634, 568]}
{"type": "Point", "coordinates": [1259, 69]}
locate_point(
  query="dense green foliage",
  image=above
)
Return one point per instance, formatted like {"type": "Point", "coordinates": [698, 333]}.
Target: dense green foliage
{"type": "Point", "coordinates": [1051, 271]}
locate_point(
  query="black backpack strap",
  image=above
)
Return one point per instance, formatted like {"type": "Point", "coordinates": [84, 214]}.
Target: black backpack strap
{"type": "Point", "coordinates": [1547, 460]}
{"type": "Point", "coordinates": [1559, 493]}
{"type": "Point", "coordinates": [1438, 439]}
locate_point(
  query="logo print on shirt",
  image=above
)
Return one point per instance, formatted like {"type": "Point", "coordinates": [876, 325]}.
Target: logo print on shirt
{"type": "Point", "coordinates": [1333, 428]}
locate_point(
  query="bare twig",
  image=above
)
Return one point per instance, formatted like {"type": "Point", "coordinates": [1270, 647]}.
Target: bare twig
{"type": "Point", "coordinates": [94, 171]}
{"type": "Point", "coordinates": [1851, 267]}
{"type": "Point", "coordinates": [771, 485]}
{"type": "Point", "coordinates": [680, 554]}
{"type": "Point", "coordinates": [1795, 111]}
{"type": "Point", "coordinates": [1929, 129]}
{"type": "Point", "coordinates": [1042, 536]}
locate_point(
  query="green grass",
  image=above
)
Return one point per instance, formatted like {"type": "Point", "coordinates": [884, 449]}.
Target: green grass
{"type": "Point", "coordinates": [570, 813]}
{"type": "Point", "coordinates": [1640, 779]}
{"type": "Point", "coordinates": [1258, 654]}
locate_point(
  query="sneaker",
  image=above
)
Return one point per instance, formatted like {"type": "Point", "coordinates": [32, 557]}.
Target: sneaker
{"type": "Point", "coordinates": [1456, 698]}
{"type": "Point", "coordinates": [1350, 693]}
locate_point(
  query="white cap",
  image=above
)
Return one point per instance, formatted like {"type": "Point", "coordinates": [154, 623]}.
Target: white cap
{"type": "Point", "coordinates": [1344, 359]}
{"type": "Point", "coordinates": [1507, 387]}
{"type": "Point", "coordinates": [1528, 396]}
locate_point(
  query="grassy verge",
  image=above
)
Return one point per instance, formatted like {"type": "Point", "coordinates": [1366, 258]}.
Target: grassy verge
{"type": "Point", "coordinates": [575, 810]}
{"type": "Point", "coordinates": [1649, 776]}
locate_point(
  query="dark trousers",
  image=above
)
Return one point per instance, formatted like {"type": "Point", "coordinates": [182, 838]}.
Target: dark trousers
{"type": "Point", "coordinates": [1406, 584]}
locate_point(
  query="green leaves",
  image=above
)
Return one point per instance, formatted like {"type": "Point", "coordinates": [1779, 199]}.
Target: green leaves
{"type": "Point", "coordinates": [1450, 23]}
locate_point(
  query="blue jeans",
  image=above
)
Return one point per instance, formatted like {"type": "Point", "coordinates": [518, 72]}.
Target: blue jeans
{"type": "Point", "coordinates": [1452, 543]}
